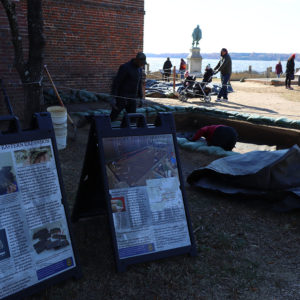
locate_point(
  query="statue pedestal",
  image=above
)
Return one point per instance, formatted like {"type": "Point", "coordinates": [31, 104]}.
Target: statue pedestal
{"type": "Point", "coordinates": [195, 62]}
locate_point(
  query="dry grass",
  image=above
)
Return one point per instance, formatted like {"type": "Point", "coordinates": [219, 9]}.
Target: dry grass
{"type": "Point", "coordinates": [244, 251]}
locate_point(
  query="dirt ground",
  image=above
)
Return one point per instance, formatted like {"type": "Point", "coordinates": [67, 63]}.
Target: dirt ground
{"type": "Point", "coordinates": [244, 251]}
{"type": "Point", "coordinates": [253, 97]}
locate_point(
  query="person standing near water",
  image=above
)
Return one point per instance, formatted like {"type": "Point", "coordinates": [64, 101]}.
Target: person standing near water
{"type": "Point", "coordinates": [167, 69]}
{"type": "Point", "coordinates": [182, 68]}
{"type": "Point", "coordinates": [278, 69]}
{"type": "Point", "coordinates": [290, 71]}
{"type": "Point", "coordinates": [225, 67]}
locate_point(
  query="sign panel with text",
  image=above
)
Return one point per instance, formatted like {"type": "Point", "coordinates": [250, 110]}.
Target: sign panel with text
{"type": "Point", "coordinates": [136, 172]}
{"type": "Point", "coordinates": [35, 241]}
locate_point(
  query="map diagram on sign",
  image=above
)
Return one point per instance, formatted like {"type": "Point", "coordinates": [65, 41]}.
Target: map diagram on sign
{"type": "Point", "coordinates": [134, 168]}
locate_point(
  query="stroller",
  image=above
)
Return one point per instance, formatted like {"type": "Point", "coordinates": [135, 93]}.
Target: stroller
{"type": "Point", "coordinates": [191, 88]}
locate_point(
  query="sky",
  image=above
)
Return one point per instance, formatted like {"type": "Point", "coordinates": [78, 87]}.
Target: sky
{"type": "Point", "coordinates": [270, 26]}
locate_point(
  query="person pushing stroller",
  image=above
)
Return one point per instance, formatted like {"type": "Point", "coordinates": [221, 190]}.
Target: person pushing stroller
{"type": "Point", "coordinates": [225, 67]}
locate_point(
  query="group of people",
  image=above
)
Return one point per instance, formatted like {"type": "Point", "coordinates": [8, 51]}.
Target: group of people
{"type": "Point", "coordinates": [167, 68]}
{"type": "Point", "coordinates": [127, 91]}
{"type": "Point", "coordinates": [290, 71]}
{"type": "Point", "coordinates": [127, 88]}
{"type": "Point", "coordinates": [224, 66]}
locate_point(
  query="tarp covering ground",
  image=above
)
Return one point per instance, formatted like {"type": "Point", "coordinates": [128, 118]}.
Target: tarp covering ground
{"type": "Point", "coordinates": [272, 174]}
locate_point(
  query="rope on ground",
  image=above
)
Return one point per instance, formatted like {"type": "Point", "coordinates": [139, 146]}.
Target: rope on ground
{"type": "Point", "coordinates": [110, 95]}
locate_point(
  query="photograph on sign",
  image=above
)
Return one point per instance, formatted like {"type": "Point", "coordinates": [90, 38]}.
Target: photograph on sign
{"type": "Point", "coordinates": [146, 199]}
{"type": "Point", "coordinates": [35, 243]}
{"type": "Point", "coordinates": [8, 182]}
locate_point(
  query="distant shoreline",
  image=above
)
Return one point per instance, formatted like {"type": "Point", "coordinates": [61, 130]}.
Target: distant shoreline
{"type": "Point", "coordinates": [234, 55]}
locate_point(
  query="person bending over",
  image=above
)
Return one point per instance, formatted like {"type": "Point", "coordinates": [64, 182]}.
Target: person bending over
{"type": "Point", "coordinates": [217, 135]}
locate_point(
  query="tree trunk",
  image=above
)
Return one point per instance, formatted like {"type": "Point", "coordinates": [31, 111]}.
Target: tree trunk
{"type": "Point", "coordinates": [33, 101]}
{"type": "Point", "coordinates": [31, 71]}
{"type": "Point", "coordinates": [33, 91]}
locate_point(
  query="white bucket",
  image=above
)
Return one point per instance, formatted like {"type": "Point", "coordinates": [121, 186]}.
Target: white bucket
{"type": "Point", "coordinates": [60, 129]}
{"type": "Point", "coordinates": [58, 114]}
{"type": "Point", "coordinates": [59, 120]}
{"type": "Point", "coordinates": [61, 142]}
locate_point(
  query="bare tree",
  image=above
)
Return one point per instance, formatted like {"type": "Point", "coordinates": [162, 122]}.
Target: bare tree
{"type": "Point", "coordinates": [30, 71]}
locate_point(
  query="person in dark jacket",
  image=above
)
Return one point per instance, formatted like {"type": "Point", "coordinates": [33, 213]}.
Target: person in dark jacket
{"type": "Point", "coordinates": [167, 69]}
{"type": "Point", "coordinates": [290, 71]}
{"type": "Point", "coordinates": [217, 135]}
{"type": "Point", "coordinates": [278, 69]}
{"type": "Point", "coordinates": [207, 77]}
{"type": "Point", "coordinates": [127, 86]}
{"type": "Point", "coordinates": [224, 66]}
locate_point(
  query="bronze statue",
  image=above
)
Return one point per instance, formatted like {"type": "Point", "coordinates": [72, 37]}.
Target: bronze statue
{"type": "Point", "coordinates": [197, 36]}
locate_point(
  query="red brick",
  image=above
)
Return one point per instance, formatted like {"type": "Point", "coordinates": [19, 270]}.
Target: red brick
{"type": "Point", "coordinates": [87, 40]}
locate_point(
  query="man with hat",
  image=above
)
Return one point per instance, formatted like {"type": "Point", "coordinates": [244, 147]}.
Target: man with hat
{"type": "Point", "coordinates": [127, 86]}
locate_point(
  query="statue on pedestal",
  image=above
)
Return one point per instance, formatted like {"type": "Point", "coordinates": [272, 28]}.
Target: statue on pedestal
{"type": "Point", "coordinates": [197, 36]}
{"type": "Point", "coordinates": [195, 59]}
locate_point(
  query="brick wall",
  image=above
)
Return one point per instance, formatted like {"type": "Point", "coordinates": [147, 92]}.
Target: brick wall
{"type": "Point", "coordinates": [86, 40]}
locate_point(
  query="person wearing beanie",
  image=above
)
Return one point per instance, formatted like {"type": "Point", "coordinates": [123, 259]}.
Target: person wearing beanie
{"type": "Point", "coordinates": [290, 71]}
{"type": "Point", "coordinates": [225, 67]}
{"type": "Point", "coordinates": [127, 86]}
{"type": "Point", "coordinates": [207, 77]}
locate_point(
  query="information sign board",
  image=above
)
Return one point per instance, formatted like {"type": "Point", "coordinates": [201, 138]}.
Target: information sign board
{"type": "Point", "coordinates": [36, 247]}
{"type": "Point", "coordinates": [141, 184]}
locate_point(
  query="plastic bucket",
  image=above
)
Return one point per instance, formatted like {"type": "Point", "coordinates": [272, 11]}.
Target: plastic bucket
{"type": "Point", "coordinates": [60, 129]}
{"type": "Point", "coordinates": [61, 132]}
{"type": "Point", "coordinates": [61, 142]}
{"type": "Point", "coordinates": [58, 114]}
{"type": "Point", "coordinates": [59, 120]}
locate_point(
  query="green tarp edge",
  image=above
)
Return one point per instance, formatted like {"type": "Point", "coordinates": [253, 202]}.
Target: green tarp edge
{"type": "Point", "coordinates": [214, 112]}
{"type": "Point", "coordinates": [199, 147]}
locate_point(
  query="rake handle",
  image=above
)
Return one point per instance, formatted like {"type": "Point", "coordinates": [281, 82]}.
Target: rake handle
{"type": "Point", "coordinates": [57, 94]}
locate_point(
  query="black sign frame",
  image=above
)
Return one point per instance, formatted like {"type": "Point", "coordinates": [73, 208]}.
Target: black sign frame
{"type": "Point", "coordinates": [41, 128]}
{"type": "Point", "coordinates": [93, 197]}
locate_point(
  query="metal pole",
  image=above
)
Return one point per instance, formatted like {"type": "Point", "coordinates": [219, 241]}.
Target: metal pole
{"type": "Point", "coordinates": [174, 78]}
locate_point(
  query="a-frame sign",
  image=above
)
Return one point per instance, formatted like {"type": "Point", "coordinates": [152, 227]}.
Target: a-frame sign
{"type": "Point", "coordinates": [133, 173]}
{"type": "Point", "coordinates": [36, 244]}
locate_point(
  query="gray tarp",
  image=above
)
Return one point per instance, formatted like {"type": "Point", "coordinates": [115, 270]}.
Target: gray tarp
{"type": "Point", "coordinates": [255, 173]}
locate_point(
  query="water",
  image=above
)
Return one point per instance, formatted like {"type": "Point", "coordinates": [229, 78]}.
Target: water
{"type": "Point", "coordinates": [156, 63]}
